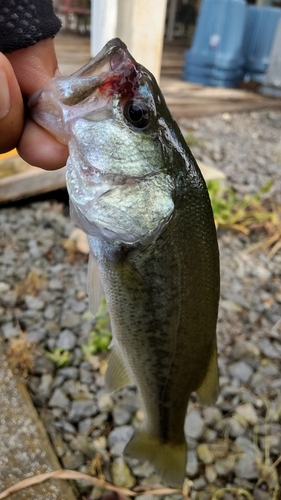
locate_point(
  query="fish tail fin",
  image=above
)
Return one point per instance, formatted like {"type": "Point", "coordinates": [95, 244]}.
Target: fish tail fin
{"type": "Point", "coordinates": [169, 460]}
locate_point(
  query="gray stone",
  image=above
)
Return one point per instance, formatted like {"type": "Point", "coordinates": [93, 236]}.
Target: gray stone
{"type": "Point", "coordinates": [46, 384]}
{"type": "Point", "coordinates": [35, 336]}
{"type": "Point", "coordinates": [194, 425]}
{"type": "Point", "coordinates": [34, 303]}
{"type": "Point", "coordinates": [67, 340]}
{"type": "Point", "coordinates": [87, 377]}
{"type": "Point", "coordinates": [199, 483]}
{"type": "Point", "coordinates": [73, 389]}
{"type": "Point", "coordinates": [70, 320]}
{"type": "Point", "coordinates": [59, 400]}
{"type": "Point", "coordinates": [85, 425]}
{"type": "Point", "coordinates": [272, 443]}
{"type": "Point", "coordinates": [121, 416]}
{"type": "Point", "coordinates": [234, 427]}
{"type": "Point", "coordinates": [42, 364]}
{"type": "Point", "coordinates": [4, 287]}
{"type": "Point", "coordinates": [52, 328]}
{"type": "Point", "coordinates": [105, 402]}
{"type": "Point", "coordinates": [73, 460]}
{"type": "Point", "coordinates": [78, 356]}
{"type": "Point", "coordinates": [241, 370]}
{"type": "Point", "coordinates": [128, 399]}
{"type": "Point", "coordinates": [244, 445]}
{"type": "Point", "coordinates": [66, 426]}
{"type": "Point", "coordinates": [68, 373]}
{"type": "Point", "coordinates": [58, 381]}
{"type": "Point", "coordinates": [10, 331]}
{"type": "Point", "coordinates": [82, 409]}
{"type": "Point", "coordinates": [9, 299]}
{"type": "Point", "coordinates": [121, 435]}
{"type": "Point", "coordinates": [143, 470]}
{"type": "Point", "coordinates": [226, 465]}
{"type": "Point", "coordinates": [192, 465]}
{"type": "Point", "coordinates": [212, 416]}
{"type": "Point", "coordinates": [269, 349]}
{"type": "Point", "coordinates": [247, 412]}
{"type": "Point", "coordinates": [50, 312]}
{"type": "Point", "coordinates": [55, 284]}
{"type": "Point", "coordinates": [246, 467]}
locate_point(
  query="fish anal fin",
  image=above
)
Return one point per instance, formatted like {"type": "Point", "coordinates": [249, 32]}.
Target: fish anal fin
{"type": "Point", "coordinates": [95, 288]}
{"type": "Point", "coordinates": [208, 391]}
{"type": "Point", "coordinates": [117, 375]}
{"type": "Point", "coordinates": [169, 460]}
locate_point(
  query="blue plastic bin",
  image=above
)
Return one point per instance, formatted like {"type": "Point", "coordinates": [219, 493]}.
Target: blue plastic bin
{"type": "Point", "coordinates": [217, 43]}
{"type": "Point", "coordinates": [213, 76]}
{"type": "Point", "coordinates": [260, 30]}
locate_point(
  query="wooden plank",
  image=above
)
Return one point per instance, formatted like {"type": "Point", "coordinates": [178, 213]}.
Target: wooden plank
{"type": "Point", "coordinates": [32, 182]}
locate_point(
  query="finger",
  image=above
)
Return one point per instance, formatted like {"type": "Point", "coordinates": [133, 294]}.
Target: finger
{"type": "Point", "coordinates": [34, 67]}
{"type": "Point", "coordinates": [39, 148]}
{"type": "Point", "coordinates": [11, 107]}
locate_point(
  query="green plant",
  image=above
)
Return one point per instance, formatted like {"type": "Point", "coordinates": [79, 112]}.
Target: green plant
{"type": "Point", "coordinates": [59, 356]}
{"type": "Point", "coordinates": [100, 336]}
{"type": "Point", "coordinates": [231, 211]}
{"type": "Point", "coordinates": [246, 214]}
{"type": "Point", "coordinates": [193, 141]}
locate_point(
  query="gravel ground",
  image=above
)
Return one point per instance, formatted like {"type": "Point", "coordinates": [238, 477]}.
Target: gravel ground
{"type": "Point", "coordinates": [235, 444]}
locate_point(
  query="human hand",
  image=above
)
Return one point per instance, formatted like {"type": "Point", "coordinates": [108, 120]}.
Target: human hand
{"type": "Point", "coordinates": [21, 73]}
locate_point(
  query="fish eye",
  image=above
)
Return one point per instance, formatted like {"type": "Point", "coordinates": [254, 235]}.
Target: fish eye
{"type": "Point", "coordinates": [137, 113]}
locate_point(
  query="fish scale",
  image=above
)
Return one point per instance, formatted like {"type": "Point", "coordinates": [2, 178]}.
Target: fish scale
{"type": "Point", "coordinates": [137, 192]}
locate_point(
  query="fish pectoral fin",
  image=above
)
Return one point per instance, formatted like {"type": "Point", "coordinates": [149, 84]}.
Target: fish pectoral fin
{"type": "Point", "coordinates": [168, 459]}
{"type": "Point", "coordinates": [133, 278]}
{"type": "Point", "coordinates": [208, 390]}
{"type": "Point", "coordinates": [117, 375]}
{"type": "Point", "coordinates": [94, 287]}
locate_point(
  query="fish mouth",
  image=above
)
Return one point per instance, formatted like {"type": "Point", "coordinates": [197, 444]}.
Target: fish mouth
{"type": "Point", "coordinates": [64, 99]}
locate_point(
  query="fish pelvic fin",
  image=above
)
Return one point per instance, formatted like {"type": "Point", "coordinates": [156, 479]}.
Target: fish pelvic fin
{"type": "Point", "coordinates": [169, 460]}
{"type": "Point", "coordinates": [117, 374]}
{"type": "Point", "coordinates": [208, 391]}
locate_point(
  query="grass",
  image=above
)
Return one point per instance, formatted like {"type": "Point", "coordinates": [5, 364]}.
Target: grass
{"type": "Point", "coordinates": [59, 356]}
{"type": "Point", "coordinates": [100, 337]}
{"type": "Point", "coordinates": [247, 214]}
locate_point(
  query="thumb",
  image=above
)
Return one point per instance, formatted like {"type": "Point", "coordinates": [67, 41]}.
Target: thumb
{"type": "Point", "coordinates": [11, 107]}
{"type": "Point", "coordinates": [34, 67]}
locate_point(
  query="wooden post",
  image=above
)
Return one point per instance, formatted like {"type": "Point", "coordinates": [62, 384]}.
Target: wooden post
{"type": "Point", "coordinates": [171, 19]}
{"type": "Point", "coordinates": [103, 23]}
{"type": "Point", "coordinates": [141, 25]}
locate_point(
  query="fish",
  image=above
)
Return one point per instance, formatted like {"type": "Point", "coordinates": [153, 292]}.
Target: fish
{"type": "Point", "coordinates": [137, 192]}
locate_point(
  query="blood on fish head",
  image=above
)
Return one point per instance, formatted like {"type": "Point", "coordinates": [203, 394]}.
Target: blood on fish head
{"type": "Point", "coordinates": [113, 72]}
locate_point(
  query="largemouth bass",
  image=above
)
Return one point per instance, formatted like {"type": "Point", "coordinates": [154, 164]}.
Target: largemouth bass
{"type": "Point", "coordinates": [137, 192]}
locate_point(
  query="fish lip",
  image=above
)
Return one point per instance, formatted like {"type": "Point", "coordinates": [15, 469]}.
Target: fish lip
{"type": "Point", "coordinates": [115, 53]}
{"type": "Point", "coordinates": [110, 51]}
{"type": "Point", "coordinates": [63, 98]}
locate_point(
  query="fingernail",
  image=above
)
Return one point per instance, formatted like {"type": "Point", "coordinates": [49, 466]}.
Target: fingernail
{"type": "Point", "coordinates": [5, 101]}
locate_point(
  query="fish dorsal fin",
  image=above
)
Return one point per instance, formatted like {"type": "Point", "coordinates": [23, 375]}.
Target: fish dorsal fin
{"type": "Point", "coordinates": [208, 391]}
{"type": "Point", "coordinates": [95, 289]}
{"type": "Point", "coordinates": [117, 374]}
